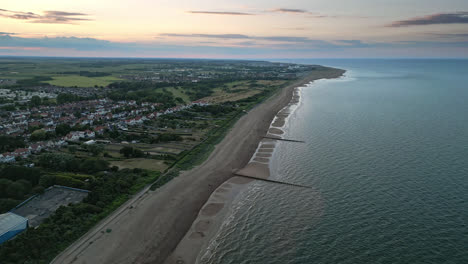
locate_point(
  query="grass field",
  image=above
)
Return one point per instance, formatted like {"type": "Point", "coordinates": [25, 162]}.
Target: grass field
{"type": "Point", "coordinates": [178, 93]}
{"type": "Point", "coordinates": [220, 96]}
{"type": "Point", "coordinates": [82, 81]}
{"type": "Point", "coordinates": [239, 90]}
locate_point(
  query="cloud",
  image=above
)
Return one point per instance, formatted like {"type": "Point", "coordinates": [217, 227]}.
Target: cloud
{"type": "Point", "coordinates": [62, 13]}
{"type": "Point", "coordinates": [219, 13]}
{"type": "Point", "coordinates": [221, 36]}
{"type": "Point", "coordinates": [285, 38]}
{"type": "Point", "coordinates": [441, 18]}
{"type": "Point", "coordinates": [294, 11]}
{"type": "Point", "coordinates": [48, 17]}
{"type": "Point", "coordinates": [18, 14]}
{"type": "Point", "coordinates": [241, 36]}
{"type": "Point", "coordinates": [289, 10]}
{"type": "Point", "coordinates": [294, 28]}
{"type": "Point", "coordinates": [7, 33]}
{"type": "Point", "coordinates": [450, 35]}
{"type": "Point", "coordinates": [84, 44]}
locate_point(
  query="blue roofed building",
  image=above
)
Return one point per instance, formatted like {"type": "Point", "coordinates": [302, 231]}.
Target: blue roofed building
{"type": "Point", "coordinates": [10, 225]}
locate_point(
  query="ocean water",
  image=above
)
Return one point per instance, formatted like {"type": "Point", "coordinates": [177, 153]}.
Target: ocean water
{"type": "Point", "coordinates": [386, 155]}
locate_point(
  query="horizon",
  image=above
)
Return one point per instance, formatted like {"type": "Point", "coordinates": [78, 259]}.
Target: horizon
{"type": "Point", "coordinates": [232, 59]}
{"type": "Point", "coordinates": [235, 30]}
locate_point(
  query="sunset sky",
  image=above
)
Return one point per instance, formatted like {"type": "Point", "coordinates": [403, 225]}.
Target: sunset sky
{"type": "Point", "coordinates": [235, 29]}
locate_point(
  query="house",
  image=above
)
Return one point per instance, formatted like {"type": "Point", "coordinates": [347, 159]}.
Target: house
{"type": "Point", "coordinates": [130, 122]}
{"type": "Point", "coordinates": [21, 152]}
{"type": "Point", "coordinates": [6, 158]}
{"type": "Point", "coordinates": [139, 120]}
{"type": "Point", "coordinates": [74, 135]}
{"type": "Point", "coordinates": [35, 148]}
{"type": "Point", "coordinates": [100, 130]}
{"type": "Point", "coordinates": [200, 103]}
{"type": "Point", "coordinates": [89, 134]}
{"type": "Point", "coordinates": [35, 124]}
{"type": "Point", "coordinates": [65, 119]}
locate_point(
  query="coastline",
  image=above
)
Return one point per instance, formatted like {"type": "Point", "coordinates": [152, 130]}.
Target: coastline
{"type": "Point", "coordinates": [195, 245]}
{"type": "Point", "coordinates": [150, 227]}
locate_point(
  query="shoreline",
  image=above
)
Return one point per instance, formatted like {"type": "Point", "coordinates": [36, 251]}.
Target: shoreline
{"type": "Point", "coordinates": [149, 228]}
{"type": "Point", "coordinates": [197, 242]}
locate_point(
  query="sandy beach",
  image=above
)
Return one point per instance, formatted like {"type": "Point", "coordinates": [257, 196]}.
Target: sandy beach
{"type": "Point", "coordinates": [196, 242]}
{"type": "Point", "coordinates": [148, 228]}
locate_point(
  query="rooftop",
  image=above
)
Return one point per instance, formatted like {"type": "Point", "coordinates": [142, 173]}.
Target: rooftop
{"type": "Point", "coordinates": [9, 220]}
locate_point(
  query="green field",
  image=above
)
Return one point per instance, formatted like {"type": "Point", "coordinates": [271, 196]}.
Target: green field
{"type": "Point", "coordinates": [178, 93]}
{"type": "Point", "coordinates": [82, 81]}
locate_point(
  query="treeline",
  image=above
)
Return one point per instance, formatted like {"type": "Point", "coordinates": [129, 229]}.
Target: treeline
{"type": "Point", "coordinates": [142, 92]}
{"type": "Point", "coordinates": [68, 98]}
{"type": "Point", "coordinates": [164, 98]}
{"type": "Point", "coordinates": [35, 81]}
{"type": "Point", "coordinates": [70, 163]}
{"type": "Point", "coordinates": [86, 73]}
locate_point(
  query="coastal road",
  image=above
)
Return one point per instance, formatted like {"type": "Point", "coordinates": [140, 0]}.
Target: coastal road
{"type": "Point", "coordinates": [149, 226]}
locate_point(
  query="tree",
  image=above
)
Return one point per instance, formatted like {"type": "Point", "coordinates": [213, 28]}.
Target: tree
{"type": "Point", "coordinates": [137, 153]}
{"type": "Point", "coordinates": [36, 100]}
{"type": "Point", "coordinates": [27, 186]}
{"type": "Point", "coordinates": [4, 186]}
{"type": "Point", "coordinates": [57, 161]}
{"type": "Point", "coordinates": [94, 165]}
{"type": "Point", "coordinates": [8, 143]}
{"type": "Point", "coordinates": [126, 151]}
{"type": "Point", "coordinates": [39, 134]}
{"type": "Point", "coordinates": [95, 149]}
{"type": "Point", "coordinates": [38, 189]}
{"type": "Point", "coordinates": [62, 129]}
{"type": "Point", "coordinates": [67, 97]}
{"type": "Point", "coordinates": [72, 149]}
{"type": "Point", "coordinates": [7, 204]}
{"type": "Point", "coordinates": [9, 107]}
{"type": "Point", "coordinates": [16, 190]}
{"type": "Point", "coordinates": [14, 173]}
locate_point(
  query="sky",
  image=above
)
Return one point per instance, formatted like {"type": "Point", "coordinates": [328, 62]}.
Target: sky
{"type": "Point", "coordinates": [237, 29]}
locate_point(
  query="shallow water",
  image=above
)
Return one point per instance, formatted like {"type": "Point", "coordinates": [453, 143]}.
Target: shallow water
{"type": "Point", "coordinates": [386, 153]}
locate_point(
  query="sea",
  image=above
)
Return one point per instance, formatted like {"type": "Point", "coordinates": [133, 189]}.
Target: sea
{"type": "Point", "coordinates": [386, 157]}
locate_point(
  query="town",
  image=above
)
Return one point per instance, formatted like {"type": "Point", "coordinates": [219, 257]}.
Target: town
{"type": "Point", "coordinates": [96, 116]}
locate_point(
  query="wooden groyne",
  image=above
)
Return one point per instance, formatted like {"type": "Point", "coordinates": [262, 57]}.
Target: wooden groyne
{"type": "Point", "coordinates": [272, 181]}
{"type": "Point", "coordinates": [284, 139]}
